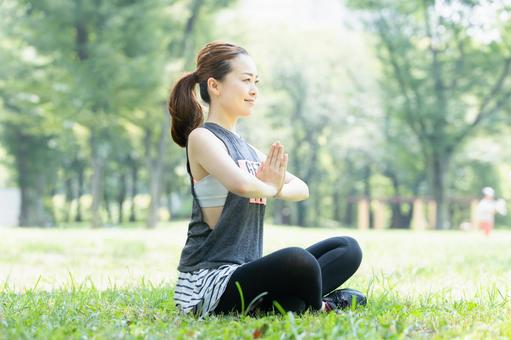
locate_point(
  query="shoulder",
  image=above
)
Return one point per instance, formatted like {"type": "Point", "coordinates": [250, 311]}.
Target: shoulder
{"type": "Point", "coordinates": [201, 138]}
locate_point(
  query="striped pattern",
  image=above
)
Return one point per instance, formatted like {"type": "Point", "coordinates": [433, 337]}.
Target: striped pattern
{"type": "Point", "coordinates": [199, 291]}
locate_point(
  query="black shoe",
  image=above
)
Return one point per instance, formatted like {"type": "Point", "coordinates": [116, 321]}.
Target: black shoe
{"type": "Point", "coordinates": [344, 298]}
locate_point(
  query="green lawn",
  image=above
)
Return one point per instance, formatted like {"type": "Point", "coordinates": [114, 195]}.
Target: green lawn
{"type": "Point", "coordinates": [113, 283]}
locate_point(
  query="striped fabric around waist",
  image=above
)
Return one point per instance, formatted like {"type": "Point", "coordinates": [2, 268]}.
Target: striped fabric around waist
{"type": "Point", "coordinates": [199, 291]}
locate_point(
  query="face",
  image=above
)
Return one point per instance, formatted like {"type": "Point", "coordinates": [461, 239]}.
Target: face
{"type": "Point", "coordinates": [237, 92]}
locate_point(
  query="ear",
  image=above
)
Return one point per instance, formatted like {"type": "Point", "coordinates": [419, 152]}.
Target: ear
{"type": "Point", "coordinates": [214, 86]}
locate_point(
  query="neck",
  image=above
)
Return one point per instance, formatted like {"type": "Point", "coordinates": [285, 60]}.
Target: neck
{"type": "Point", "coordinates": [217, 116]}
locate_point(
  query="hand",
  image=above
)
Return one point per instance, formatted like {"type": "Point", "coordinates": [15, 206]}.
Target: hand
{"type": "Point", "coordinates": [273, 170]}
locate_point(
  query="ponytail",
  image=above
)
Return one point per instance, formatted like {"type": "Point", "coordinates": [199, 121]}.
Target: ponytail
{"type": "Point", "coordinates": [185, 110]}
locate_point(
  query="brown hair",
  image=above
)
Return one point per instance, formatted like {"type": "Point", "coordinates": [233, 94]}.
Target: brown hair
{"type": "Point", "coordinates": [185, 110]}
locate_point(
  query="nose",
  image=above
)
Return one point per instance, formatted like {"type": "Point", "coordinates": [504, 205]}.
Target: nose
{"type": "Point", "coordinates": [253, 90]}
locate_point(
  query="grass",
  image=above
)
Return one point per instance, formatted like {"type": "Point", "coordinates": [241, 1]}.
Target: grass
{"type": "Point", "coordinates": [115, 283]}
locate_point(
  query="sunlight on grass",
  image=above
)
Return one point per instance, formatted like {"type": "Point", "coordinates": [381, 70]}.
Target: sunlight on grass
{"type": "Point", "coordinates": [81, 282]}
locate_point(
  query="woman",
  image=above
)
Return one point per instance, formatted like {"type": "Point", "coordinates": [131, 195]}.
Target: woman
{"type": "Point", "coordinates": [230, 182]}
{"type": "Point", "coordinates": [487, 208]}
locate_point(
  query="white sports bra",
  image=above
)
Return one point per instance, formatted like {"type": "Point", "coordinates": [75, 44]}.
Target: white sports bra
{"type": "Point", "coordinates": [210, 192]}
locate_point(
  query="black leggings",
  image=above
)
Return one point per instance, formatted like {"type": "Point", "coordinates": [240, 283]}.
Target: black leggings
{"type": "Point", "coordinates": [297, 278]}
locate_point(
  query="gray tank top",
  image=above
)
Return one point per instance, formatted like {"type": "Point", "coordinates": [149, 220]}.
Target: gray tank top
{"type": "Point", "coordinates": [237, 237]}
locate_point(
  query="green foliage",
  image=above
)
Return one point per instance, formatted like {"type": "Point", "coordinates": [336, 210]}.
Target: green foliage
{"type": "Point", "coordinates": [89, 95]}
{"type": "Point", "coordinates": [446, 75]}
{"type": "Point", "coordinates": [83, 86]}
{"type": "Point", "coordinates": [148, 312]}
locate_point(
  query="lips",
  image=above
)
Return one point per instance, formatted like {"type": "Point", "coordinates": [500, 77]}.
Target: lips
{"type": "Point", "coordinates": [250, 100]}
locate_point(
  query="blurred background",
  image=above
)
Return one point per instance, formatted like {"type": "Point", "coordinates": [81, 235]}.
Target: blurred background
{"type": "Point", "coordinates": [396, 113]}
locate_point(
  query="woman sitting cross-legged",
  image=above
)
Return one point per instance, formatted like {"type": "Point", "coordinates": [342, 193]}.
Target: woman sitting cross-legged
{"type": "Point", "coordinates": [230, 184]}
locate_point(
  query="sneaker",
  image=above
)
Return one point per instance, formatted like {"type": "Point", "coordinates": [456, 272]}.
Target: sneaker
{"type": "Point", "coordinates": [344, 298]}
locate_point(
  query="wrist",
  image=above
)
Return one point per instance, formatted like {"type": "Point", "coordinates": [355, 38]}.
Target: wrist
{"type": "Point", "coordinates": [278, 192]}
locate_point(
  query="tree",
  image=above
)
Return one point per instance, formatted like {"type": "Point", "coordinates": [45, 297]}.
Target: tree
{"type": "Point", "coordinates": [28, 129]}
{"type": "Point", "coordinates": [180, 50]}
{"type": "Point", "coordinates": [447, 75]}
{"type": "Point", "coordinates": [107, 65]}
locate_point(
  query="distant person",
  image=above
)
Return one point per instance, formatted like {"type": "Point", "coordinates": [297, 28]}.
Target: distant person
{"type": "Point", "coordinates": [230, 184]}
{"type": "Point", "coordinates": [487, 209]}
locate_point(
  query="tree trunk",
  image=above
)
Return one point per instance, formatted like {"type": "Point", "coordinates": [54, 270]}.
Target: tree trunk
{"type": "Point", "coordinates": [348, 217]}
{"type": "Point", "coordinates": [277, 205]}
{"type": "Point", "coordinates": [302, 216]}
{"type": "Point", "coordinates": [317, 207]}
{"type": "Point", "coordinates": [31, 184]}
{"type": "Point", "coordinates": [39, 201]}
{"type": "Point", "coordinates": [303, 206]}
{"type": "Point", "coordinates": [336, 206]}
{"type": "Point", "coordinates": [27, 190]}
{"type": "Point", "coordinates": [30, 207]}
{"type": "Point", "coordinates": [368, 194]}
{"type": "Point", "coordinates": [286, 214]}
{"type": "Point", "coordinates": [155, 167]}
{"type": "Point", "coordinates": [98, 164]}
{"type": "Point", "coordinates": [439, 165]}
{"type": "Point", "coordinates": [121, 197]}
{"type": "Point", "coordinates": [49, 207]}
{"type": "Point", "coordinates": [134, 190]}
{"type": "Point", "coordinates": [81, 178]}
{"type": "Point", "coordinates": [398, 219]}
{"type": "Point", "coordinates": [302, 213]}
{"type": "Point", "coordinates": [168, 195]}
{"type": "Point", "coordinates": [349, 214]}
{"type": "Point", "coordinates": [106, 201]}
{"type": "Point", "coordinates": [68, 184]}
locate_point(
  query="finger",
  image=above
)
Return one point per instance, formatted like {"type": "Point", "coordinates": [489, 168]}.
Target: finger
{"type": "Point", "coordinates": [283, 164]}
{"type": "Point", "coordinates": [270, 156]}
{"type": "Point", "coordinates": [280, 156]}
{"type": "Point", "coordinates": [276, 157]}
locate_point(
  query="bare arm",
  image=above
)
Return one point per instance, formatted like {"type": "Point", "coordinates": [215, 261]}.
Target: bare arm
{"type": "Point", "coordinates": [209, 152]}
{"type": "Point", "coordinates": [294, 188]}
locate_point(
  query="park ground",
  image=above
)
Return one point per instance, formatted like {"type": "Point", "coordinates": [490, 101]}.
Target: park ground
{"type": "Point", "coordinates": [118, 283]}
